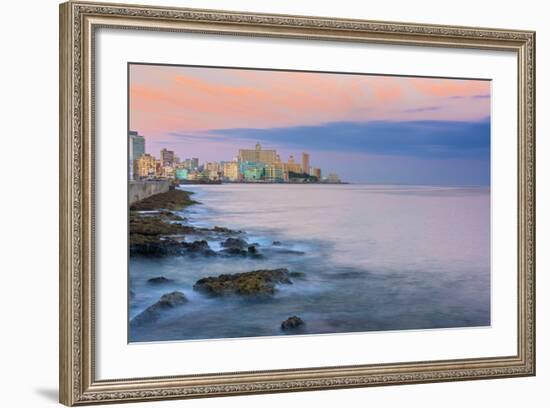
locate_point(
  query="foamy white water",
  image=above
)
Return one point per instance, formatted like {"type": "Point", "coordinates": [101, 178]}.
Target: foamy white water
{"type": "Point", "coordinates": [375, 258]}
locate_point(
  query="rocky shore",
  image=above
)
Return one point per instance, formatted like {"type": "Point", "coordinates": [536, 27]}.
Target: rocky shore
{"type": "Point", "coordinates": [171, 200]}
{"type": "Point", "coordinates": [254, 283]}
{"type": "Point", "coordinates": [153, 312]}
{"type": "Point", "coordinates": [157, 230]}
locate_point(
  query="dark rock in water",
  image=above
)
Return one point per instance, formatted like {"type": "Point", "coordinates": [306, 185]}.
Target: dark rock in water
{"type": "Point", "coordinates": [156, 247]}
{"type": "Point", "coordinates": [148, 231]}
{"type": "Point", "coordinates": [224, 230]}
{"type": "Point", "coordinates": [250, 250]}
{"type": "Point", "coordinates": [260, 283]}
{"type": "Point", "coordinates": [156, 225]}
{"type": "Point", "coordinates": [232, 243]}
{"type": "Point", "coordinates": [276, 243]}
{"type": "Point", "coordinates": [234, 251]}
{"type": "Point", "coordinates": [159, 280]}
{"type": "Point", "coordinates": [198, 247]}
{"type": "Point", "coordinates": [172, 299]}
{"type": "Point", "coordinates": [166, 302]}
{"type": "Point", "coordinates": [147, 235]}
{"type": "Point", "coordinates": [153, 246]}
{"type": "Point", "coordinates": [171, 200]}
{"type": "Point", "coordinates": [221, 229]}
{"type": "Point", "coordinates": [298, 275]}
{"type": "Point", "coordinates": [292, 323]}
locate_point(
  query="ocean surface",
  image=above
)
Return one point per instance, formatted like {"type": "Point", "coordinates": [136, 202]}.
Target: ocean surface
{"type": "Point", "coordinates": [375, 257]}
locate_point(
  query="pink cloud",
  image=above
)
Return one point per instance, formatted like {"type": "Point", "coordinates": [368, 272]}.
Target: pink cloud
{"type": "Point", "coordinates": [449, 87]}
{"type": "Point", "coordinates": [166, 99]}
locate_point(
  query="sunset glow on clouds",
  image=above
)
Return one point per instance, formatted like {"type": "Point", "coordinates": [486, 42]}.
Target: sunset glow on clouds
{"type": "Point", "coordinates": [211, 112]}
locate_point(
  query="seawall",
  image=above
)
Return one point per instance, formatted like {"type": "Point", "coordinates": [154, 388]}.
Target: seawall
{"type": "Point", "coordinates": [138, 190]}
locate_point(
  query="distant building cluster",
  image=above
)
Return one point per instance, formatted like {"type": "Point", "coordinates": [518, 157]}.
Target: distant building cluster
{"type": "Point", "coordinates": [249, 166]}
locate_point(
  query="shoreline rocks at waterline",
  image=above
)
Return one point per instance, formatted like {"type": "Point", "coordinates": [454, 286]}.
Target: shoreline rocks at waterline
{"type": "Point", "coordinates": [234, 243]}
{"type": "Point", "coordinates": [166, 302]}
{"type": "Point", "coordinates": [156, 231]}
{"type": "Point", "coordinates": [173, 200]}
{"type": "Point", "coordinates": [261, 282]}
{"type": "Point", "coordinates": [292, 323]}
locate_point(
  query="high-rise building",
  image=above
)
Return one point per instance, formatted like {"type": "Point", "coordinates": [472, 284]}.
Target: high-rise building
{"type": "Point", "coordinates": [213, 167]}
{"type": "Point", "coordinates": [190, 164]}
{"type": "Point", "coordinates": [146, 166]}
{"type": "Point", "coordinates": [275, 173]}
{"type": "Point", "coordinates": [213, 170]}
{"type": "Point", "coordinates": [181, 174]}
{"type": "Point", "coordinates": [137, 144]}
{"type": "Point", "coordinates": [252, 171]}
{"type": "Point", "coordinates": [158, 167]}
{"type": "Point", "coordinates": [136, 148]}
{"type": "Point", "coordinates": [167, 158]}
{"type": "Point", "coordinates": [305, 163]}
{"type": "Point", "coordinates": [315, 172]}
{"type": "Point", "coordinates": [231, 171]}
{"type": "Point", "coordinates": [258, 155]}
{"type": "Point", "coordinates": [292, 167]}
{"type": "Point", "coordinates": [168, 171]}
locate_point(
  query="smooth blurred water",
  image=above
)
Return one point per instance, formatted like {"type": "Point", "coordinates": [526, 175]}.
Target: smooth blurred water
{"type": "Point", "coordinates": [375, 258]}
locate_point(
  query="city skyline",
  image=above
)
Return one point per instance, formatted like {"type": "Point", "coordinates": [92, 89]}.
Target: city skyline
{"type": "Point", "coordinates": [249, 165]}
{"type": "Point", "coordinates": [367, 129]}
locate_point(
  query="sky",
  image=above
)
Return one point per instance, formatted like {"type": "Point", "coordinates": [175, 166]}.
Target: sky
{"type": "Point", "coordinates": [365, 128]}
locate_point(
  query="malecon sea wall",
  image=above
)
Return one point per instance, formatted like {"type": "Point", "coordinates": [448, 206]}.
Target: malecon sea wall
{"type": "Point", "coordinates": [138, 190]}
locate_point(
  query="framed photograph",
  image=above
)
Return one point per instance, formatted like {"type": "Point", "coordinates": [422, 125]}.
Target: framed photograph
{"type": "Point", "coordinates": [256, 203]}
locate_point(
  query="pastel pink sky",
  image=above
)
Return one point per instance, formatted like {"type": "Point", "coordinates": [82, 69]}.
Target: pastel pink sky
{"type": "Point", "coordinates": [190, 100]}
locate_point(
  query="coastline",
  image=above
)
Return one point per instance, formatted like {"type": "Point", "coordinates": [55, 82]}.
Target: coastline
{"type": "Point", "coordinates": [227, 263]}
{"type": "Point", "coordinates": [157, 230]}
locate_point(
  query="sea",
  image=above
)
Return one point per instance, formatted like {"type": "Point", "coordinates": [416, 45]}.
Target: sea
{"type": "Point", "coordinates": [373, 258]}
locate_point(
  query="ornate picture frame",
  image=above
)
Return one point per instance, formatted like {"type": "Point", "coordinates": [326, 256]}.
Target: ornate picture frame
{"type": "Point", "coordinates": [78, 24]}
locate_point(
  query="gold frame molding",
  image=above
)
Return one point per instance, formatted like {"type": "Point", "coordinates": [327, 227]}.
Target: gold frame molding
{"type": "Point", "coordinates": [78, 22]}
